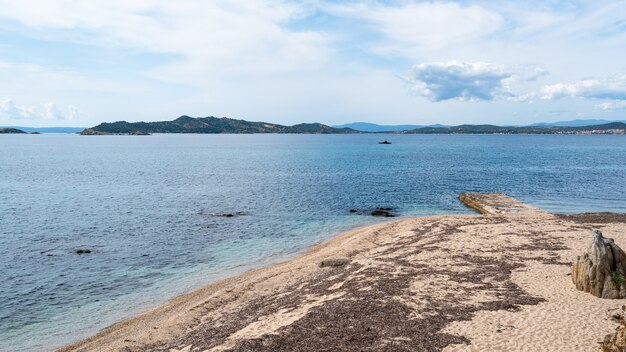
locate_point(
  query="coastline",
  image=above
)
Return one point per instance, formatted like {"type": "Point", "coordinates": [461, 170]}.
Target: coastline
{"type": "Point", "coordinates": [451, 282]}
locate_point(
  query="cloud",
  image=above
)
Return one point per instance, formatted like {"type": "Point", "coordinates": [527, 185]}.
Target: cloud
{"type": "Point", "coordinates": [612, 89]}
{"type": "Point", "coordinates": [11, 111]}
{"type": "Point", "coordinates": [202, 38]}
{"type": "Point", "coordinates": [611, 106]}
{"type": "Point", "coordinates": [475, 81]}
{"type": "Point", "coordinates": [414, 28]}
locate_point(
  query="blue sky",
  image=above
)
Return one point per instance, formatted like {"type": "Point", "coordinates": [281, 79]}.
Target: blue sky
{"type": "Point", "coordinates": [79, 63]}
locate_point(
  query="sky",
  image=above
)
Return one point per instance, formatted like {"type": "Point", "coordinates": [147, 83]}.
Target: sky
{"type": "Point", "coordinates": [79, 63]}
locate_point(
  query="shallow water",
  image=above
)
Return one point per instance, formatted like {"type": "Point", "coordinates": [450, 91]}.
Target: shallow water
{"type": "Point", "coordinates": [143, 205]}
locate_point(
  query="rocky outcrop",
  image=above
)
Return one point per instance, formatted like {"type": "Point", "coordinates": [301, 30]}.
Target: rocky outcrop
{"type": "Point", "coordinates": [91, 132]}
{"type": "Point", "coordinates": [11, 131]}
{"type": "Point", "coordinates": [616, 342]}
{"type": "Point", "coordinates": [601, 271]}
{"type": "Point", "coordinates": [497, 204]}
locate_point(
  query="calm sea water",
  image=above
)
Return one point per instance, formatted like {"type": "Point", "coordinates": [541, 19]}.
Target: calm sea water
{"type": "Point", "coordinates": [143, 206]}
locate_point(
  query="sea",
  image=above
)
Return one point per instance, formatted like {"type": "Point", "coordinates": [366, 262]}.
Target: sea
{"type": "Point", "coordinates": [148, 208]}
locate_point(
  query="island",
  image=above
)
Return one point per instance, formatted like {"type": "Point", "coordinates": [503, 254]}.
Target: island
{"type": "Point", "coordinates": [11, 131]}
{"type": "Point", "coordinates": [211, 124]}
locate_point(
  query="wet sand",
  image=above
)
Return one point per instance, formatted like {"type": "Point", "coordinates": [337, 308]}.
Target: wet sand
{"type": "Point", "coordinates": [497, 281]}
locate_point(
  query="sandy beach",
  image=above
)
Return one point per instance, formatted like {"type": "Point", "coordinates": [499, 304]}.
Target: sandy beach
{"type": "Point", "coordinates": [495, 281]}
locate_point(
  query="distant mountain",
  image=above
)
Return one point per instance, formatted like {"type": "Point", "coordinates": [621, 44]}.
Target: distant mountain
{"type": "Point", "coordinates": [187, 124]}
{"type": "Point", "coordinates": [372, 127]}
{"type": "Point", "coordinates": [49, 129]}
{"type": "Point", "coordinates": [613, 127]}
{"type": "Point", "coordinates": [11, 131]}
{"type": "Point", "coordinates": [575, 123]}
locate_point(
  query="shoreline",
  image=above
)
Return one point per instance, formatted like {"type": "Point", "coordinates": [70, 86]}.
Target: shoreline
{"type": "Point", "coordinates": [425, 283]}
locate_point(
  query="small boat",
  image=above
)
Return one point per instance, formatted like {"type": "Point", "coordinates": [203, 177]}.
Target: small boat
{"type": "Point", "coordinates": [384, 142]}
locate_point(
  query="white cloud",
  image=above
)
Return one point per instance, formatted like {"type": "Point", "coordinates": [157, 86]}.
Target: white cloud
{"type": "Point", "coordinates": [415, 28]}
{"type": "Point", "coordinates": [206, 38]}
{"type": "Point", "coordinates": [475, 81]}
{"type": "Point", "coordinates": [612, 89]}
{"type": "Point", "coordinates": [611, 106]}
{"type": "Point", "coordinates": [11, 111]}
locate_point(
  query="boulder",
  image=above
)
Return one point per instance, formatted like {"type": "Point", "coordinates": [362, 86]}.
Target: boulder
{"type": "Point", "coordinates": [601, 270]}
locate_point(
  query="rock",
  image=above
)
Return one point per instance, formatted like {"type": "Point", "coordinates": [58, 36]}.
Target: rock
{"type": "Point", "coordinates": [386, 212]}
{"type": "Point", "coordinates": [615, 342]}
{"type": "Point", "coordinates": [601, 270]}
{"type": "Point", "coordinates": [228, 215]}
{"type": "Point", "coordinates": [334, 262]}
{"type": "Point", "coordinates": [82, 251]}
{"type": "Point", "coordinates": [379, 211]}
{"type": "Point", "coordinates": [92, 132]}
{"type": "Point", "coordinates": [139, 133]}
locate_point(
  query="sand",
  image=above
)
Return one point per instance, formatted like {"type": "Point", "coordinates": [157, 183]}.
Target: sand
{"type": "Point", "coordinates": [499, 281]}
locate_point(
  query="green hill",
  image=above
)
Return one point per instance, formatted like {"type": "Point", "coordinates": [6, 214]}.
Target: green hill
{"type": "Point", "coordinates": [187, 124]}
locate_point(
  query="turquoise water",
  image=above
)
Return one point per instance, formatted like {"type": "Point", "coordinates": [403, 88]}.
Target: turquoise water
{"type": "Point", "coordinates": [143, 205]}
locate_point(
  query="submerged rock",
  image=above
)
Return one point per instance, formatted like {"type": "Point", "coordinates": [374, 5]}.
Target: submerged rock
{"type": "Point", "coordinates": [228, 215]}
{"type": "Point", "coordinates": [386, 212]}
{"type": "Point", "coordinates": [379, 211]}
{"type": "Point", "coordinates": [601, 270]}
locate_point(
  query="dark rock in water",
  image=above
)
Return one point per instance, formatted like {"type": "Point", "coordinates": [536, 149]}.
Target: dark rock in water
{"type": "Point", "coordinates": [386, 212]}
{"type": "Point", "coordinates": [228, 215]}
{"type": "Point", "coordinates": [379, 211]}
{"type": "Point", "coordinates": [334, 262]}
{"type": "Point", "coordinates": [601, 270]}
{"type": "Point", "coordinates": [35, 132]}
{"type": "Point", "coordinates": [82, 251]}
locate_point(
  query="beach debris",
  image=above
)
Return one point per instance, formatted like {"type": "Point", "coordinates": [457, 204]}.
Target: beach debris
{"type": "Point", "coordinates": [601, 270]}
{"type": "Point", "coordinates": [334, 262]}
{"type": "Point", "coordinates": [82, 251]}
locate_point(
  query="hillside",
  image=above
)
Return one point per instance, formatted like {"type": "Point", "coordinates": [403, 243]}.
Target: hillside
{"type": "Point", "coordinates": [11, 131]}
{"type": "Point", "coordinates": [613, 127]}
{"type": "Point", "coordinates": [187, 124]}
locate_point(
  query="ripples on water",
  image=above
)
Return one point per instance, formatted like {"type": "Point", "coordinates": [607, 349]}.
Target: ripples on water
{"type": "Point", "coordinates": [143, 205]}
